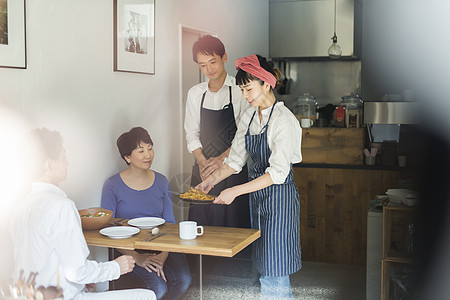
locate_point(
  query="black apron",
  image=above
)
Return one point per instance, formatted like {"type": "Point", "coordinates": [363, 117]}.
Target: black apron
{"type": "Point", "coordinates": [217, 130]}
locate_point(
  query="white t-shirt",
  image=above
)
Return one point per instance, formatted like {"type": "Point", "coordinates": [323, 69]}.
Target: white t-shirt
{"type": "Point", "coordinates": [48, 239]}
{"type": "Point", "coordinates": [213, 101]}
{"type": "Point", "coordinates": [284, 136]}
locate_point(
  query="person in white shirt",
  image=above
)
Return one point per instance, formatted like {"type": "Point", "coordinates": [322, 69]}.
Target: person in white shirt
{"type": "Point", "coordinates": [270, 135]}
{"type": "Point", "coordinates": [213, 109]}
{"type": "Point", "coordinates": [47, 235]}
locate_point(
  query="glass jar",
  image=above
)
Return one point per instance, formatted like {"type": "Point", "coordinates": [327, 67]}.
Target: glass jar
{"type": "Point", "coordinates": [353, 110]}
{"type": "Point", "coordinates": [305, 107]}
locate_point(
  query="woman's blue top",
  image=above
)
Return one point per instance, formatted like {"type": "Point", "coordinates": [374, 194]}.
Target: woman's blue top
{"type": "Point", "coordinates": [125, 202]}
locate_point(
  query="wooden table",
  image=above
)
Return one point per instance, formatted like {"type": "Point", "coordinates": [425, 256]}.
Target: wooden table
{"type": "Point", "coordinates": [215, 241]}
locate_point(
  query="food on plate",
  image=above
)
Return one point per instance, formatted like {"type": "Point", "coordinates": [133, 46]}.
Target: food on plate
{"type": "Point", "coordinates": [99, 213]}
{"type": "Point", "coordinates": [196, 195]}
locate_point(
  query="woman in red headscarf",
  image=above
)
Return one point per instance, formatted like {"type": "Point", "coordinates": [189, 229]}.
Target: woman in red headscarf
{"type": "Point", "coordinates": [270, 135]}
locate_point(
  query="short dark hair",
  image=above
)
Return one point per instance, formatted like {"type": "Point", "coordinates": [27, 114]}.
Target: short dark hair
{"type": "Point", "coordinates": [130, 140]}
{"type": "Point", "coordinates": [243, 77]}
{"type": "Point", "coordinates": [37, 146]}
{"type": "Point", "coordinates": [208, 45]}
{"type": "Point", "coordinates": [50, 140]}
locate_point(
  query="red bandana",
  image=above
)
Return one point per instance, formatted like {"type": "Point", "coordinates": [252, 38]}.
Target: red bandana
{"type": "Point", "coordinates": [250, 64]}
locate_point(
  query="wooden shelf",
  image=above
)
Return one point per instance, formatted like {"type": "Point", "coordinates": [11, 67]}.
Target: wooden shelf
{"type": "Point", "coordinates": [402, 260]}
{"type": "Point", "coordinates": [333, 145]}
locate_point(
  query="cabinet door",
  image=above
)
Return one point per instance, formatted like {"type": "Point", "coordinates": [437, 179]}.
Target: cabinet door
{"type": "Point", "coordinates": [305, 28]}
{"type": "Point", "coordinates": [333, 211]}
{"type": "Point", "coordinates": [398, 259]}
{"type": "Point", "coordinates": [398, 229]}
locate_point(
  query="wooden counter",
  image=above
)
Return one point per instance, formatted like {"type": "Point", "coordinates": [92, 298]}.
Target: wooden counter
{"type": "Point", "coordinates": [335, 192]}
{"type": "Point", "coordinates": [333, 210]}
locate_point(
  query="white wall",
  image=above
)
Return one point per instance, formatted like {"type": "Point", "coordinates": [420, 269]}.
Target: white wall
{"type": "Point", "coordinates": [69, 84]}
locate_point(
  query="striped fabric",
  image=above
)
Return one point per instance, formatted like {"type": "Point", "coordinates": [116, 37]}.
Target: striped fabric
{"type": "Point", "coordinates": [276, 211]}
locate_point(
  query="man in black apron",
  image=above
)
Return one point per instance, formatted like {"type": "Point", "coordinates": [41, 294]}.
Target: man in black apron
{"type": "Point", "coordinates": [212, 110]}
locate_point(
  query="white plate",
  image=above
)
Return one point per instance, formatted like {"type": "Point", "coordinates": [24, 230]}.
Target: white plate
{"type": "Point", "coordinates": [119, 232]}
{"type": "Point", "coordinates": [146, 222]}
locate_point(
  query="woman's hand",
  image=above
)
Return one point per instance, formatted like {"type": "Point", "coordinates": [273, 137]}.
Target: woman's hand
{"type": "Point", "coordinates": [205, 186]}
{"type": "Point", "coordinates": [143, 260]}
{"type": "Point", "coordinates": [152, 262]}
{"type": "Point", "coordinates": [226, 197]}
{"type": "Point", "coordinates": [220, 174]}
{"type": "Point", "coordinates": [159, 260]}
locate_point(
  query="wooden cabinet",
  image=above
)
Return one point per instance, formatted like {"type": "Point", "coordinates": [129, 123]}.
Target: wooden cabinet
{"type": "Point", "coordinates": [333, 210]}
{"type": "Point", "coordinates": [335, 192]}
{"type": "Point", "coordinates": [330, 145]}
{"type": "Point", "coordinates": [398, 227]}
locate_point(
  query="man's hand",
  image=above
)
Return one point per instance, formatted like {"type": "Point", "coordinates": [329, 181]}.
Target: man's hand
{"type": "Point", "coordinates": [202, 164]}
{"type": "Point", "coordinates": [200, 159]}
{"type": "Point", "coordinates": [126, 263]}
{"type": "Point", "coordinates": [211, 165]}
{"type": "Point", "coordinates": [208, 166]}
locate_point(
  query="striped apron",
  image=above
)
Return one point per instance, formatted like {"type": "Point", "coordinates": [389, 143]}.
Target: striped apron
{"type": "Point", "coordinates": [275, 210]}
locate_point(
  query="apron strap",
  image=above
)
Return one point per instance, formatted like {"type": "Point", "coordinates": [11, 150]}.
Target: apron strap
{"type": "Point", "coordinates": [225, 106]}
{"type": "Point", "coordinates": [201, 106]}
{"type": "Point", "coordinates": [248, 127]}
{"type": "Point", "coordinates": [203, 100]}
{"type": "Point", "coordinates": [267, 124]}
{"type": "Point", "coordinates": [270, 116]}
{"type": "Point", "coordinates": [229, 104]}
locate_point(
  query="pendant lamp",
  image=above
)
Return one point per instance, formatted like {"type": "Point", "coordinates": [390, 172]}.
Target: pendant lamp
{"type": "Point", "coordinates": [335, 51]}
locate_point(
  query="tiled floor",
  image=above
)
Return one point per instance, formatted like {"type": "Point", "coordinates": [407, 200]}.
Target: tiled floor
{"type": "Point", "coordinates": [225, 278]}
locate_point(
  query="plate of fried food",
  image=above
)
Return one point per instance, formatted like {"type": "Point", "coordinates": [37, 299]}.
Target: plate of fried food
{"type": "Point", "coordinates": [196, 196]}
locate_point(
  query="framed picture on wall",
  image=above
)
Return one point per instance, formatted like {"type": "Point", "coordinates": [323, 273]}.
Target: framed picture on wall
{"type": "Point", "coordinates": [134, 36]}
{"type": "Point", "coordinates": [12, 34]}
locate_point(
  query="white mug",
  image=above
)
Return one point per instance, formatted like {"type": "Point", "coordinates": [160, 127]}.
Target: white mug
{"type": "Point", "coordinates": [189, 230]}
{"type": "Point", "coordinates": [306, 123]}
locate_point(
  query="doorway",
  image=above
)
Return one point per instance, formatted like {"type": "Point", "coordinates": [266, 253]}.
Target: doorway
{"type": "Point", "coordinates": [190, 75]}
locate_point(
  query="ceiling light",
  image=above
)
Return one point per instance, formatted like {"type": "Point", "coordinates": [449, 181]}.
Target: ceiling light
{"type": "Point", "coordinates": [335, 51]}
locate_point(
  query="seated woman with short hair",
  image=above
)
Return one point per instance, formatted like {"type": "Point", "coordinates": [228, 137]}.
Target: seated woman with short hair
{"type": "Point", "coordinates": [139, 191]}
